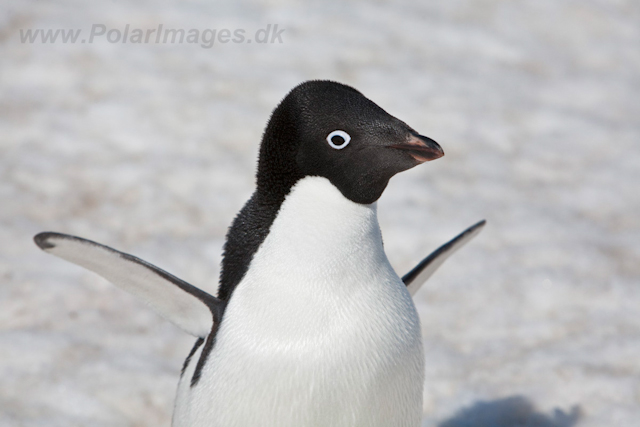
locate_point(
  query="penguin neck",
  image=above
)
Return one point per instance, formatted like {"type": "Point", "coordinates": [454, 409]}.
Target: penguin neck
{"type": "Point", "coordinates": [320, 233]}
{"type": "Point", "coordinates": [311, 226]}
{"type": "Point", "coordinates": [316, 212]}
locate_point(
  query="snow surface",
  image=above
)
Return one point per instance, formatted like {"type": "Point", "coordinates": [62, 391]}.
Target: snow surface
{"type": "Point", "coordinates": [151, 149]}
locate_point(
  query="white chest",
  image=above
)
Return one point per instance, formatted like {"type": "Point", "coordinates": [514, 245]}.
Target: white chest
{"type": "Point", "coordinates": [320, 332]}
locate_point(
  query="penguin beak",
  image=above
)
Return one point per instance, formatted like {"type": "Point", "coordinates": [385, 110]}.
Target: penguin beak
{"type": "Point", "coordinates": [421, 148]}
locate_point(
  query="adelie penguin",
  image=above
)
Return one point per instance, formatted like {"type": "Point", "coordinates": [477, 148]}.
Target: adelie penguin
{"type": "Point", "coordinates": [311, 326]}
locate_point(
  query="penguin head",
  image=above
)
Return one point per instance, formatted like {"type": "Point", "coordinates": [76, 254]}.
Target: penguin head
{"type": "Point", "coordinates": [327, 129]}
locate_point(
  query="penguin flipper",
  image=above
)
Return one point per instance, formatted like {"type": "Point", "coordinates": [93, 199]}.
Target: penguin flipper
{"type": "Point", "coordinates": [191, 309]}
{"type": "Point", "coordinates": [415, 278]}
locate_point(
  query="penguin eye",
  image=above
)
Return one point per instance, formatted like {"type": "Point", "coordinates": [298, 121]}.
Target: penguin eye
{"type": "Point", "coordinates": [338, 139]}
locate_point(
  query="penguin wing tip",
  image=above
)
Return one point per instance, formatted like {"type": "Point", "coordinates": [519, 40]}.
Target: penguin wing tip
{"type": "Point", "coordinates": [476, 228]}
{"type": "Point", "coordinates": [44, 240]}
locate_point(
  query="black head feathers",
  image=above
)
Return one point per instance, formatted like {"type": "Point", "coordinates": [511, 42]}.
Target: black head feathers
{"type": "Point", "coordinates": [324, 128]}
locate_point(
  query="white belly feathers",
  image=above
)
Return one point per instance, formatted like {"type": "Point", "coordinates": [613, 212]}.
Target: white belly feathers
{"type": "Point", "coordinates": [320, 331]}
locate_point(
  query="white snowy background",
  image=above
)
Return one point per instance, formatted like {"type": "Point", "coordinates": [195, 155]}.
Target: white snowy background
{"type": "Point", "coordinates": [152, 148]}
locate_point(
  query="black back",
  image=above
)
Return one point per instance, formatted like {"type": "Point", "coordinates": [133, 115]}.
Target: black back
{"type": "Point", "coordinates": [277, 173]}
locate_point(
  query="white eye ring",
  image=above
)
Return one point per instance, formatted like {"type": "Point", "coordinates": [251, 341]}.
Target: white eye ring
{"type": "Point", "coordinates": [342, 134]}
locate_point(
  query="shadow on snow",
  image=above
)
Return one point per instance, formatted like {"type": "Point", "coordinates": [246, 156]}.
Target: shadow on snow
{"type": "Point", "coordinates": [514, 411]}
